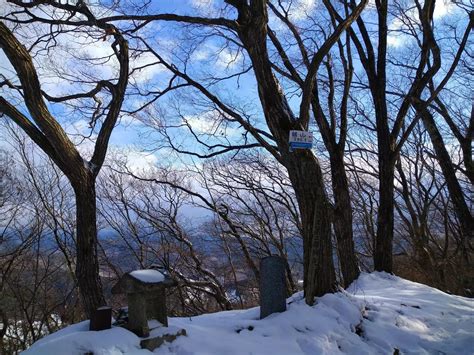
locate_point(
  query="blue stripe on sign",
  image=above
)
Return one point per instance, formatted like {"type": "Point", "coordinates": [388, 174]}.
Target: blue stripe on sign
{"type": "Point", "coordinates": [301, 145]}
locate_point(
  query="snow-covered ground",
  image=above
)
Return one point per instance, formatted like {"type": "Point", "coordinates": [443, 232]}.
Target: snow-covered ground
{"type": "Point", "coordinates": [378, 314]}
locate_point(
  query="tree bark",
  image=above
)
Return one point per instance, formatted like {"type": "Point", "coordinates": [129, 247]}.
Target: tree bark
{"type": "Point", "coordinates": [307, 180]}
{"type": "Point", "coordinates": [342, 220]}
{"type": "Point", "coordinates": [342, 212]}
{"type": "Point", "coordinates": [48, 134]}
{"type": "Point", "coordinates": [302, 166]}
{"type": "Point", "coordinates": [461, 209]}
{"type": "Point", "coordinates": [465, 140]}
{"type": "Point", "coordinates": [385, 217]}
{"type": "Point", "coordinates": [87, 263]}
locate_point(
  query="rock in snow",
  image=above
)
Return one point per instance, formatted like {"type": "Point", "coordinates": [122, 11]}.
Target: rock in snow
{"type": "Point", "coordinates": [378, 314]}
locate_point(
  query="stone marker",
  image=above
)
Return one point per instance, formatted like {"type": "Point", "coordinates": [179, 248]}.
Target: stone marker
{"type": "Point", "coordinates": [101, 318]}
{"type": "Point", "coordinates": [145, 290]}
{"type": "Point", "coordinates": [272, 285]}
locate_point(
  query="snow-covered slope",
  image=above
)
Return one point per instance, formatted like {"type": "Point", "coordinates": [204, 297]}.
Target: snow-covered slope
{"type": "Point", "coordinates": [378, 314]}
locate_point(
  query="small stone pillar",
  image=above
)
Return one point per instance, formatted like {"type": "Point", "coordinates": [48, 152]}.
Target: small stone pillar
{"type": "Point", "coordinates": [137, 314]}
{"type": "Point", "coordinates": [156, 308]}
{"type": "Point", "coordinates": [272, 285]}
{"type": "Point", "coordinates": [145, 290]}
{"type": "Point", "coordinates": [101, 319]}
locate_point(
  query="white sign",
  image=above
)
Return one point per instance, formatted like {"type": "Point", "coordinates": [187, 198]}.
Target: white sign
{"type": "Point", "coordinates": [301, 140]}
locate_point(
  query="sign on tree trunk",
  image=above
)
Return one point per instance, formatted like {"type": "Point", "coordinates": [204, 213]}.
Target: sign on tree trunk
{"type": "Point", "coordinates": [300, 140]}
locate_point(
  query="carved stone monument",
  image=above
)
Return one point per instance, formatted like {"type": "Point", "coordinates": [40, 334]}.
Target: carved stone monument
{"type": "Point", "coordinates": [272, 285]}
{"type": "Point", "coordinates": [145, 290]}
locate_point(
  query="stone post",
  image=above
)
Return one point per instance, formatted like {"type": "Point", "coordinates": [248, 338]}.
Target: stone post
{"type": "Point", "coordinates": [101, 318]}
{"type": "Point", "coordinates": [156, 307]}
{"type": "Point", "coordinates": [137, 317]}
{"type": "Point", "coordinates": [146, 295]}
{"type": "Point", "coordinates": [272, 285]}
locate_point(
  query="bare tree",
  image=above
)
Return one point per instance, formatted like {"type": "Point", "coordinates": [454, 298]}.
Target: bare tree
{"type": "Point", "coordinates": [49, 135]}
{"type": "Point", "coordinates": [256, 195]}
{"type": "Point", "coordinates": [393, 127]}
{"type": "Point", "coordinates": [37, 287]}
{"type": "Point", "coordinates": [251, 32]}
{"type": "Point", "coordinates": [454, 187]}
{"type": "Point", "coordinates": [430, 241]}
{"type": "Point", "coordinates": [148, 219]}
{"type": "Point", "coordinates": [330, 111]}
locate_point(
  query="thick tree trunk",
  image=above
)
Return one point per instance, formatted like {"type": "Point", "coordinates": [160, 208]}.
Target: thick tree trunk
{"type": "Point", "coordinates": [385, 217]}
{"type": "Point", "coordinates": [342, 220]}
{"type": "Point", "coordinates": [386, 164]}
{"type": "Point", "coordinates": [302, 166]}
{"type": "Point", "coordinates": [307, 180]}
{"type": "Point", "coordinates": [461, 209]}
{"type": "Point", "coordinates": [87, 263]}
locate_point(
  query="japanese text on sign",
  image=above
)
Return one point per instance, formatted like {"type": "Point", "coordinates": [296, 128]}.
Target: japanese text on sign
{"type": "Point", "coordinates": [300, 140]}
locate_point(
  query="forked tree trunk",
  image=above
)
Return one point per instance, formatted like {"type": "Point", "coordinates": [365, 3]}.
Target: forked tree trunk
{"type": "Point", "coordinates": [87, 263]}
{"type": "Point", "coordinates": [48, 134]}
{"type": "Point", "coordinates": [302, 166]}
{"type": "Point", "coordinates": [342, 220]}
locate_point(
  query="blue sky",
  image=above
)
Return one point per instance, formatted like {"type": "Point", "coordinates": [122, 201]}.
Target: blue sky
{"type": "Point", "coordinates": [209, 57]}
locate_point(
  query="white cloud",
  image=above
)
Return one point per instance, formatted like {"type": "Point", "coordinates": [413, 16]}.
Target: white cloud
{"type": "Point", "coordinates": [137, 161]}
{"type": "Point", "coordinates": [395, 40]}
{"type": "Point", "coordinates": [204, 123]}
{"type": "Point", "coordinates": [149, 68]}
{"type": "Point", "coordinates": [444, 8]}
{"type": "Point", "coordinates": [132, 158]}
{"type": "Point", "coordinates": [226, 59]}
{"type": "Point", "coordinates": [212, 123]}
{"type": "Point", "coordinates": [201, 54]}
{"type": "Point", "coordinates": [301, 8]}
{"type": "Point", "coordinates": [205, 7]}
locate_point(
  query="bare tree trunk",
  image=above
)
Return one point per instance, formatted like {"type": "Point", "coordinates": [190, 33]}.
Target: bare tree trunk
{"type": "Point", "coordinates": [461, 209]}
{"type": "Point", "coordinates": [385, 216]}
{"type": "Point", "coordinates": [307, 180]}
{"type": "Point", "coordinates": [49, 135]}
{"type": "Point", "coordinates": [389, 135]}
{"type": "Point", "coordinates": [303, 167]}
{"type": "Point", "coordinates": [465, 139]}
{"type": "Point", "coordinates": [466, 146]}
{"type": "Point", "coordinates": [342, 220]}
{"type": "Point", "coordinates": [87, 263]}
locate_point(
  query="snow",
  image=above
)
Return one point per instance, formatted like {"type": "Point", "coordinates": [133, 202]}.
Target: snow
{"type": "Point", "coordinates": [376, 315]}
{"type": "Point", "coordinates": [148, 276]}
{"type": "Point", "coordinates": [77, 339]}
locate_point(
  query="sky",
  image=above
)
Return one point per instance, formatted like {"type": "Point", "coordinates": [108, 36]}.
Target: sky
{"type": "Point", "coordinates": [130, 134]}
